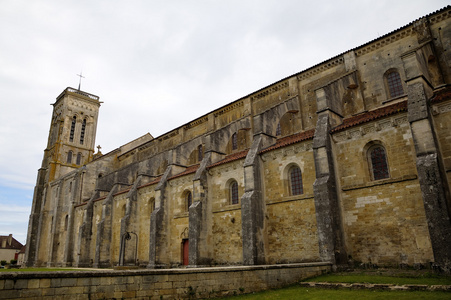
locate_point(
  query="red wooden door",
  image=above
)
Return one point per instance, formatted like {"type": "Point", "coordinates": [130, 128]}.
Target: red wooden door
{"type": "Point", "coordinates": [185, 252]}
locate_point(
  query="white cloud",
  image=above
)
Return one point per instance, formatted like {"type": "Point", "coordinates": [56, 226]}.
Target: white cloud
{"type": "Point", "coordinates": [147, 60]}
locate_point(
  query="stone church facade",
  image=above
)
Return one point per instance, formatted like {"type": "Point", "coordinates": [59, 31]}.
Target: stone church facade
{"type": "Point", "coordinates": [346, 162]}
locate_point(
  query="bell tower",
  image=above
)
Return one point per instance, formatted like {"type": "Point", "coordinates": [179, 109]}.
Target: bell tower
{"type": "Point", "coordinates": [70, 145]}
{"type": "Point", "coordinates": [72, 132]}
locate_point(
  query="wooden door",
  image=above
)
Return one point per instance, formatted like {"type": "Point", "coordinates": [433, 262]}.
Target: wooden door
{"type": "Point", "coordinates": [185, 252]}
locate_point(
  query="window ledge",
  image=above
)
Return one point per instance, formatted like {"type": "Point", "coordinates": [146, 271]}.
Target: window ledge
{"type": "Point", "coordinates": [379, 182]}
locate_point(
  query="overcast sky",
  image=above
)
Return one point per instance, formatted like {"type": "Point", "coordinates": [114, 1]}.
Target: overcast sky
{"type": "Point", "coordinates": [157, 65]}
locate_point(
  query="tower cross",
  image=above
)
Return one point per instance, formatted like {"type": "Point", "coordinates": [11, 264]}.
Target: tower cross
{"type": "Point", "coordinates": [81, 76]}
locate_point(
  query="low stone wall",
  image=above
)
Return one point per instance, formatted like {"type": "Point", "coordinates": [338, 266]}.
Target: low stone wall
{"type": "Point", "coordinates": [154, 284]}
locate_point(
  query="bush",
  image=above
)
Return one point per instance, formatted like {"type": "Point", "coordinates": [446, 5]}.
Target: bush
{"type": "Point", "coordinates": [3, 262]}
{"type": "Point", "coordinates": [13, 261]}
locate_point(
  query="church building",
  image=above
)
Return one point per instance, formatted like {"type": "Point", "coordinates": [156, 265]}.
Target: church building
{"type": "Point", "coordinates": [347, 162]}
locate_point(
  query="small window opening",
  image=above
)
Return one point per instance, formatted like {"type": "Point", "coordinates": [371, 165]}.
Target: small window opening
{"type": "Point", "coordinates": [234, 141]}
{"type": "Point", "coordinates": [82, 134]}
{"type": "Point", "coordinates": [69, 157]}
{"type": "Point", "coordinates": [234, 199]}
{"type": "Point", "coordinates": [72, 129]}
{"type": "Point", "coordinates": [188, 200]}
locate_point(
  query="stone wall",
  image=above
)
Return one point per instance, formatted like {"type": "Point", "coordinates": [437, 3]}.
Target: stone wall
{"type": "Point", "coordinates": [154, 284]}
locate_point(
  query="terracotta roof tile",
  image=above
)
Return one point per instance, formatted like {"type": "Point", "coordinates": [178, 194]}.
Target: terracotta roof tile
{"type": "Point", "coordinates": [292, 139]}
{"type": "Point", "coordinates": [442, 95]}
{"type": "Point", "coordinates": [123, 191]}
{"type": "Point", "coordinates": [156, 180]}
{"type": "Point", "coordinates": [372, 115]}
{"type": "Point", "coordinates": [189, 170]}
{"type": "Point", "coordinates": [230, 158]}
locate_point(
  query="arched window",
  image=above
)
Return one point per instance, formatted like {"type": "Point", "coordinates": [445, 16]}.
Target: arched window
{"type": "Point", "coordinates": [394, 84]}
{"type": "Point", "coordinates": [295, 181]}
{"type": "Point", "coordinates": [278, 130]}
{"type": "Point", "coordinates": [72, 129]}
{"type": "Point", "coordinates": [233, 192]}
{"type": "Point", "coordinates": [82, 133]}
{"type": "Point", "coordinates": [378, 162]}
{"type": "Point", "coordinates": [234, 141]}
{"type": "Point", "coordinates": [69, 157]}
{"type": "Point", "coordinates": [200, 153]}
{"type": "Point", "coordinates": [188, 199]}
{"type": "Point", "coordinates": [79, 158]}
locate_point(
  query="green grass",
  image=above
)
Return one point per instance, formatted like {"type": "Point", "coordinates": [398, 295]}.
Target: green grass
{"type": "Point", "coordinates": [39, 270]}
{"type": "Point", "coordinates": [297, 292]}
{"type": "Point", "coordinates": [399, 279]}
{"type": "Point", "coordinates": [375, 277]}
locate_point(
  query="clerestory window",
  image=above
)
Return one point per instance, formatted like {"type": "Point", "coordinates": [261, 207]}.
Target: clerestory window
{"type": "Point", "coordinates": [394, 84]}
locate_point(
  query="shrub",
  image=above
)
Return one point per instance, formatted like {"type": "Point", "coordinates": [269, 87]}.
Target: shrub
{"type": "Point", "coordinates": [3, 262]}
{"type": "Point", "coordinates": [13, 261]}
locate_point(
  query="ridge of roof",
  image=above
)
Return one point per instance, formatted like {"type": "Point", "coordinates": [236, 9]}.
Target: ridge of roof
{"type": "Point", "coordinates": [230, 158]}
{"type": "Point", "coordinates": [291, 139]}
{"type": "Point", "coordinates": [371, 115]}
{"type": "Point", "coordinates": [188, 170]}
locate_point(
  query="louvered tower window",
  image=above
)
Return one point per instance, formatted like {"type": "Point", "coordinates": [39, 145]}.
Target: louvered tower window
{"type": "Point", "coordinates": [72, 129]}
{"type": "Point", "coordinates": [82, 133]}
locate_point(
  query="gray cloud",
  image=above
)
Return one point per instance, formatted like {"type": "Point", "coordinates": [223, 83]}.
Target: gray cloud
{"type": "Point", "coordinates": [159, 64]}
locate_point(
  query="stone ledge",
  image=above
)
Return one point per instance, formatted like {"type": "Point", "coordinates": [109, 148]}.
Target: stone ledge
{"type": "Point", "coordinates": [371, 286]}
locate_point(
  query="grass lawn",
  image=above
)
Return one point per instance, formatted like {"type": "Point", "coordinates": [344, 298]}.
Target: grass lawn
{"type": "Point", "coordinates": [378, 276]}
{"type": "Point", "coordinates": [297, 292]}
{"type": "Point", "coordinates": [39, 270]}
{"type": "Point", "coordinates": [384, 278]}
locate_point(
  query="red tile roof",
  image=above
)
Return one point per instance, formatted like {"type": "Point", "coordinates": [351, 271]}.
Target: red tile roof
{"type": "Point", "coordinates": [292, 139]}
{"type": "Point", "coordinates": [442, 95]}
{"type": "Point", "coordinates": [189, 170]}
{"type": "Point", "coordinates": [372, 115]}
{"type": "Point", "coordinates": [156, 180]}
{"type": "Point", "coordinates": [230, 158]}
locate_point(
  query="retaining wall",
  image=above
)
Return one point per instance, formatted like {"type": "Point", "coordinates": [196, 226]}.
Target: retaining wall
{"type": "Point", "coordinates": [154, 284]}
